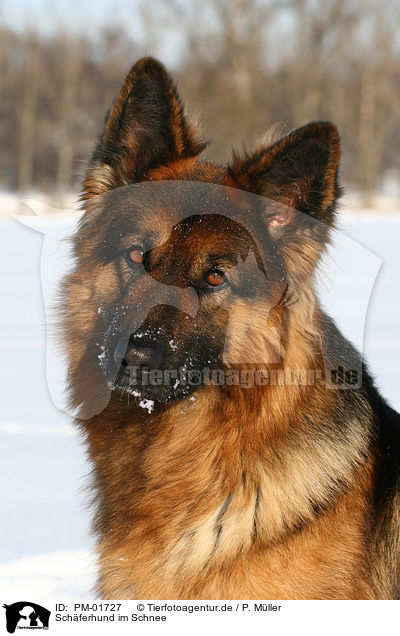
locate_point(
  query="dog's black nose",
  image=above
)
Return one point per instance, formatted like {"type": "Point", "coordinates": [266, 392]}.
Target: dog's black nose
{"type": "Point", "coordinates": [139, 353]}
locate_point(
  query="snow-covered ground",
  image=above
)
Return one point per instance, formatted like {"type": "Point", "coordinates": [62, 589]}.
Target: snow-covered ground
{"type": "Point", "coordinates": [45, 543]}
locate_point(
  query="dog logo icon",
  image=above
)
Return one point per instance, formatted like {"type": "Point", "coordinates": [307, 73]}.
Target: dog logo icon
{"type": "Point", "coordinates": [26, 615]}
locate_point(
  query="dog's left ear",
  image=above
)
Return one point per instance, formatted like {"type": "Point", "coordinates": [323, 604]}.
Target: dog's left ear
{"type": "Point", "coordinates": [145, 128]}
{"type": "Point", "coordinates": [299, 172]}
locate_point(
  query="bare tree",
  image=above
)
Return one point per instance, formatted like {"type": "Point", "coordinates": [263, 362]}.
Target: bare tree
{"type": "Point", "coordinates": [66, 129]}
{"type": "Point", "coordinates": [244, 65]}
{"type": "Point", "coordinates": [28, 116]}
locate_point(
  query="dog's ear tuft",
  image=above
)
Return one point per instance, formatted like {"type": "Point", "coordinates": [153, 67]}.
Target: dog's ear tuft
{"type": "Point", "coordinates": [145, 128]}
{"type": "Point", "coordinates": [299, 172]}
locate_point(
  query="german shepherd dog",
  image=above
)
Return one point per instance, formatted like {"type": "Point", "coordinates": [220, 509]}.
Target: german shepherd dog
{"type": "Point", "coordinates": [213, 489]}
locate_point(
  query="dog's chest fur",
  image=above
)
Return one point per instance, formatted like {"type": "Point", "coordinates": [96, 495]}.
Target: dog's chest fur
{"type": "Point", "coordinates": [200, 512]}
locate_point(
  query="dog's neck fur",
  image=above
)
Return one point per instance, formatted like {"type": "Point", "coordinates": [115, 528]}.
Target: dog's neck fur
{"type": "Point", "coordinates": [206, 479]}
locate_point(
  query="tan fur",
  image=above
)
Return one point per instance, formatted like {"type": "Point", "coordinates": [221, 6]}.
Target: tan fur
{"type": "Point", "coordinates": [266, 491]}
{"type": "Point", "coordinates": [218, 499]}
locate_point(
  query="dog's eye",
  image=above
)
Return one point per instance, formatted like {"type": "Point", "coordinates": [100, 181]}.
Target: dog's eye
{"type": "Point", "coordinates": [136, 254]}
{"type": "Point", "coordinates": [215, 277]}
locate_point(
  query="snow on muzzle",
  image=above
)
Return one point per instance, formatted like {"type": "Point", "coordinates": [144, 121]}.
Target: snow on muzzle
{"type": "Point", "coordinates": [129, 315]}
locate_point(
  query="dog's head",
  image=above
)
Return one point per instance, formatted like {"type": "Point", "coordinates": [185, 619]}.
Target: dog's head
{"type": "Point", "coordinates": [183, 265]}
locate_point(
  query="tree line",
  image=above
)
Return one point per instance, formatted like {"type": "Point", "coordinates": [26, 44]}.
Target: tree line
{"type": "Point", "coordinates": [242, 66]}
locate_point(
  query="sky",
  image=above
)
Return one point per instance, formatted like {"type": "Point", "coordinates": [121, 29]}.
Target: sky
{"type": "Point", "coordinates": [86, 16]}
{"type": "Point", "coordinates": [46, 14]}
{"type": "Point", "coordinates": [77, 16]}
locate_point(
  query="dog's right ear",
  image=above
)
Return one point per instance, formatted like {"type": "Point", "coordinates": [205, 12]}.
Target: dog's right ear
{"type": "Point", "coordinates": [145, 128]}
